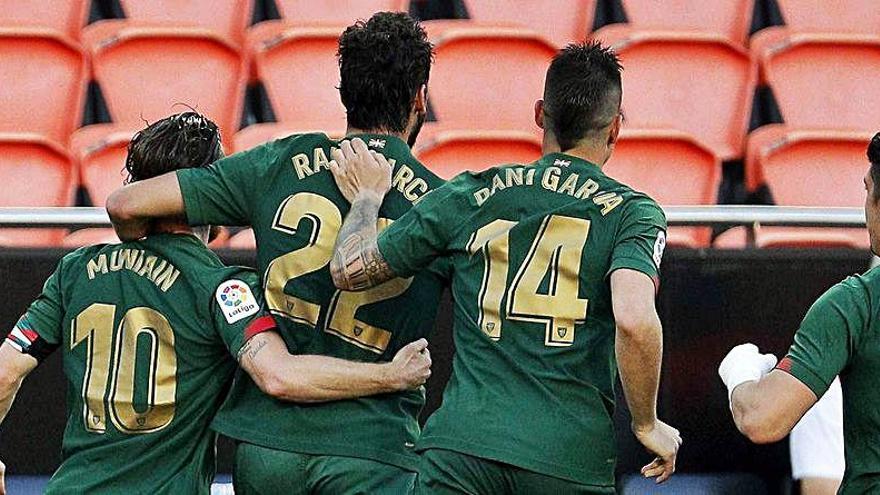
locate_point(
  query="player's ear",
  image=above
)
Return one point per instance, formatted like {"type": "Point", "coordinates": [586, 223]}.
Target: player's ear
{"type": "Point", "coordinates": [421, 102]}
{"type": "Point", "coordinates": [614, 132]}
{"type": "Point", "coordinates": [539, 113]}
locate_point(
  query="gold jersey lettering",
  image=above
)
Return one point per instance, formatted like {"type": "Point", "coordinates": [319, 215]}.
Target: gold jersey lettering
{"type": "Point", "coordinates": [97, 265]}
{"type": "Point", "coordinates": [301, 165]}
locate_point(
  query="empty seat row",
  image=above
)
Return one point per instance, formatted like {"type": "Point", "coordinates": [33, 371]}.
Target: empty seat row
{"type": "Point", "coordinates": [561, 21]}
{"type": "Point", "coordinates": [484, 77]}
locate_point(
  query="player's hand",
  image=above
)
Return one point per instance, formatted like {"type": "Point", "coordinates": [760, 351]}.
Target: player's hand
{"type": "Point", "coordinates": [2, 478]}
{"type": "Point", "coordinates": [411, 366]}
{"type": "Point", "coordinates": [358, 170]}
{"type": "Point", "coordinates": [663, 441]}
{"type": "Point", "coordinates": [744, 363]}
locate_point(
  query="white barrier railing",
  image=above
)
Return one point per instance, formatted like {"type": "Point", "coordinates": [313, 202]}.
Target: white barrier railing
{"type": "Point", "coordinates": [676, 215]}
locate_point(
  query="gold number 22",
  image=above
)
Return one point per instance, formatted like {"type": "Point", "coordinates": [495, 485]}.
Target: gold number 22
{"type": "Point", "coordinates": [95, 326]}
{"type": "Point", "coordinates": [555, 257]}
{"type": "Point", "coordinates": [325, 219]}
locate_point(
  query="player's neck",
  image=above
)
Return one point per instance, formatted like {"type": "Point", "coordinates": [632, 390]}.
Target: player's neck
{"type": "Point", "coordinates": [174, 227]}
{"type": "Point", "coordinates": [354, 130]}
{"type": "Point", "coordinates": [585, 152]}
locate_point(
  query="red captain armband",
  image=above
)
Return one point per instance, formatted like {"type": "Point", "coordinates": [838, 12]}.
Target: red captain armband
{"type": "Point", "coordinates": [260, 325]}
{"type": "Point", "coordinates": [26, 340]}
{"type": "Point", "coordinates": [784, 364]}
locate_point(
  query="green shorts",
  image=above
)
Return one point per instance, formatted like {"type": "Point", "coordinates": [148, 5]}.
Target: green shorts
{"type": "Point", "coordinates": [445, 472]}
{"type": "Point", "coordinates": [264, 471]}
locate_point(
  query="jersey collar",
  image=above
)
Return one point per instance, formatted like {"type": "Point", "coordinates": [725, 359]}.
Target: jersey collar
{"type": "Point", "coordinates": [384, 143]}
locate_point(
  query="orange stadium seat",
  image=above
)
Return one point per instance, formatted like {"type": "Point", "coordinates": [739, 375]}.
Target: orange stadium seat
{"type": "Point", "coordinates": [674, 169]}
{"type": "Point", "coordinates": [699, 83]}
{"type": "Point", "coordinates": [100, 151]}
{"type": "Point", "coordinates": [448, 153]}
{"type": "Point", "coordinates": [336, 11]}
{"type": "Point", "coordinates": [149, 72]}
{"type": "Point", "coordinates": [229, 18]}
{"type": "Point", "coordinates": [796, 165]}
{"type": "Point", "coordinates": [822, 80]}
{"type": "Point", "coordinates": [67, 17]}
{"type": "Point", "coordinates": [561, 21]}
{"type": "Point", "coordinates": [42, 84]}
{"type": "Point", "coordinates": [861, 16]}
{"type": "Point", "coordinates": [257, 134]}
{"type": "Point", "coordinates": [731, 18]}
{"type": "Point", "coordinates": [298, 67]}
{"type": "Point", "coordinates": [486, 77]}
{"type": "Point", "coordinates": [34, 172]}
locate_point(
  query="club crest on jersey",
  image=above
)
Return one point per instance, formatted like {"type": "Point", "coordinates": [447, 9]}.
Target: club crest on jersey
{"type": "Point", "coordinates": [562, 163]}
{"type": "Point", "coordinates": [236, 301]}
{"type": "Point", "coordinates": [377, 143]}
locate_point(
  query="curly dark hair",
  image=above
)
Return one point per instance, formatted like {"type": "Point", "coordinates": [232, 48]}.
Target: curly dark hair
{"type": "Point", "coordinates": [383, 62]}
{"type": "Point", "coordinates": [183, 140]}
{"type": "Point", "coordinates": [582, 91]}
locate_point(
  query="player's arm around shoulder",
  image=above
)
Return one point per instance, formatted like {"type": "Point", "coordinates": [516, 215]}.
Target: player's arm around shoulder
{"type": "Point", "coordinates": [364, 178]}
{"type": "Point", "coordinates": [132, 207]}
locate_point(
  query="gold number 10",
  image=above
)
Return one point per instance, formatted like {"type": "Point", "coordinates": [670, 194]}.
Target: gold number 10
{"type": "Point", "coordinates": [555, 257]}
{"type": "Point", "coordinates": [94, 326]}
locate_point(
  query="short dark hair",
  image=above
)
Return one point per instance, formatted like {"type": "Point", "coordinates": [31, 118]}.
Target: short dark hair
{"type": "Point", "coordinates": [382, 62]}
{"type": "Point", "coordinates": [184, 140]}
{"type": "Point", "coordinates": [582, 91]}
{"type": "Point", "coordinates": [874, 158]}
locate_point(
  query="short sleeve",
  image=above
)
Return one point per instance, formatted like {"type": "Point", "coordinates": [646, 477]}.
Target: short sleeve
{"type": "Point", "coordinates": [641, 239]}
{"type": "Point", "coordinates": [415, 239]}
{"type": "Point", "coordinates": [239, 311]}
{"type": "Point", "coordinates": [824, 343]}
{"type": "Point", "coordinates": [39, 330]}
{"type": "Point", "coordinates": [224, 192]}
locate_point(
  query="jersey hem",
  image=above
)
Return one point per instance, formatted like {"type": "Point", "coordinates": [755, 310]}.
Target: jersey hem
{"type": "Point", "coordinates": [408, 463]}
{"type": "Point", "coordinates": [804, 374]}
{"type": "Point", "coordinates": [629, 263]}
{"type": "Point", "coordinates": [541, 467]}
{"type": "Point", "coordinates": [192, 208]}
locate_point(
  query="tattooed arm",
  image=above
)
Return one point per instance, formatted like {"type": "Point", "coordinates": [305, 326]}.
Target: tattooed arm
{"type": "Point", "coordinates": [312, 378]}
{"type": "Point", "coordinates": [363, 177]}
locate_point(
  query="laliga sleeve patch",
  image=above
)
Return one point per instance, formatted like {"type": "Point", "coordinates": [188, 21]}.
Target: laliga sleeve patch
{"type": "Point", "coordinates": [236, 301]}
{"type": "Point", "coordinates": [659, 248]}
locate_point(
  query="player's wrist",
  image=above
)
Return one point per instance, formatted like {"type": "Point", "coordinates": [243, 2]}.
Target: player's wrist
{"type": "Point", "coordinates": [372, 196]}
{"type": "Point", "coordinates": [644, 426]}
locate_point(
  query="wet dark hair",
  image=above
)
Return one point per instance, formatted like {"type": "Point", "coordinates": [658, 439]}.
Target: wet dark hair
{"type": "Point", "coordinates": [874, 158]}
{"type": "Point", "coordinates": [382, 63]}
{"type": "Point", "coordinates": [582, 91]}
{"type": "Point", "coordinates": [184, 140]}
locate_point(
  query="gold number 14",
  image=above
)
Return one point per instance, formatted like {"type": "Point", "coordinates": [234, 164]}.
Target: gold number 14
{"type": "Point", "coordinates": [555, 257]}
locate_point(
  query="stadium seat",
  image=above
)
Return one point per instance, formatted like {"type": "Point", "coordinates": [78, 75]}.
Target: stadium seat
{"type": "Point", "coordinates": [42, 84]}
{"type": "Point", "coordinates": [810, 168]}
{"type": "Point", "coordinates": [561, 21]}
{"type": "Point", "coordinates": [149, 72]}
{"type": "Point", "coordinates": [100, 151]}
{"type": "Point", "coordinates": [257, 134]}
{"type": "Point", "coordinates": [297, 65]}
{"type": "Point", "coordinates": [730, 18]}
{"type": "Point", "coordinates": [66, 17]}
{"type": "Point", "coordinates": [336, 11]}
{"type": "Point", "coordinates": [699, 83]}
{"type": "Point", "coordinates": [674, 169]}
{"type": "Point", "coordinates": [449, 153]}
{"type": "Point", "coordinates": [486, 77]}
{"type": "Point", "coordinates": [34, 172]}
{"type": "Point", "coordinates": [821, 80]}
{"type": "Point", "coordinates": [228, 18]}
{"type": "Point", "coordinates": [861, 16]}
{"type": "Point", "coordinates": [242, 240]}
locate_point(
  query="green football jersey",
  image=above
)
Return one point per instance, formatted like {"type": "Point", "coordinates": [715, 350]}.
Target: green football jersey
{"type": "Point", "coordinates": [148, 331]}
{"type": "Point", "coordinates": [285, 191]}
{"type": "Point", "coordinates": [531, 248]}
{"type": "Point", "coordinates": [840, 335]}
